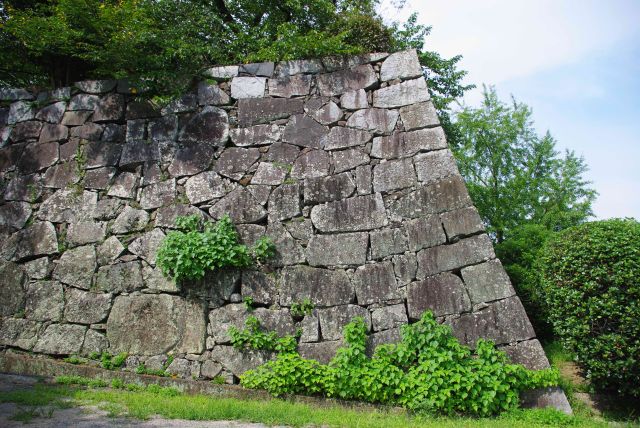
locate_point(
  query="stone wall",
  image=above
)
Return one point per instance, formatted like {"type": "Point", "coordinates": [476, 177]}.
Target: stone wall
{"type": "Point", "coordinates": [342, 162]}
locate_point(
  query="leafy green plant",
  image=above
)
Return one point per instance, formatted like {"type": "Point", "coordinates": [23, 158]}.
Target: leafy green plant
{"type": "Point", "coordinates": [253, 337]}
{"type": "Point", "coordinates": [73, 359]}
{"type": "Point", "coordinates": [218, 380]}
{"type": "Point", "coordinates": [429, 371]}
{"type": "Point", "coordinates": [263, 249]}
{"type": "Point", "coordinates": [299, 310]}
{"type": "Point", "coordinates": [112, 362]}
{"type": "Point", "coordinates": [248, 303]}
{"type": "Point", "coordinates": [197, 247]}
{"type": "Point", "coordinates": [162, 372]}
{"type": "Point", "coordinates": [591, 283]}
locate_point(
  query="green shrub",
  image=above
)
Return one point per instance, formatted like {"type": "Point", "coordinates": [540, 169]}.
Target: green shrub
{"type": "Point", "coordinates": [112, 362]}
{"type": "Point", "coordinates": [196, 248]}
{"type": "Point", "coordinates": [429, 371]}
{"type": "Point", "coordinates": [253, 337]}
{"type": "Point", "coordinates": [591, 279]}
{"type": "Point", "coordinates": [299, 310]}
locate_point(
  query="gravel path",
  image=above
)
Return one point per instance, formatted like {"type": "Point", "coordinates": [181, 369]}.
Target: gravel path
{"type": "Point", "coordinates": [86, 416]}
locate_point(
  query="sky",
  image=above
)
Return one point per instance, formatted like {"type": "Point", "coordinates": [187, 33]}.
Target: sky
{"type": "Point", "coordinates": [576, 63]}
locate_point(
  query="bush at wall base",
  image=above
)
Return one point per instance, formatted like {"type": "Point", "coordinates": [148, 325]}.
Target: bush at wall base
{"type": "Point", "coordinates": [428, 371]}
{"type": "Point", "coordinates": [591, 281]}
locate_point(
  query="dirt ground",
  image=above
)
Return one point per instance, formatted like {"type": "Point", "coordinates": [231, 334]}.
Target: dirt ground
{"type": "Point", "coordinates": [85, 416]}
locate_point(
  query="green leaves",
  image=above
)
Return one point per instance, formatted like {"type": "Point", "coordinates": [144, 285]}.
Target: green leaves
{"type": "Point", "coordinates": [195, 249]}
{"type": "Point", "coordinates": [252, 337]}
{"type": "Point", "coordinates": [590, 280]}
{"type": "Point", "coordinates": [429, 371]}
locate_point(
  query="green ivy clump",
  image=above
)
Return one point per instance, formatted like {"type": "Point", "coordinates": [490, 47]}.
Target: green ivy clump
{"type": "Point", "coordinates": [198, 247]}
{"type": "Point", "coordinates": [253, 337]}
{"type": "Point", "coordinates": [591, 284]}
{"type": "Point", "coordinates": [299, 310]}
{"type": "Point", "coordinates": [428, 371]}
{"type": "Point", "coordinates": [108, 361]}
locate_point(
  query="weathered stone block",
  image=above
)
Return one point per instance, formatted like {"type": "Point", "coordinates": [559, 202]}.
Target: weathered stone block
{"type": "Point", "coordinates": [382, 338]}
{"type": "Point", "coordinates": [333, 320]}
{"type": "Point", "coordinates": [259, 286]}
{"type": "Point", "coordinates": [327, 114]}
{"type": "Point", "coordinates": [364, 183]}
{"type": "Point", "coordinates": [98, 179]}
{"type": "Point", "coordinates": [210, 126]}
{"type": "Point", "coordinates": [375, 283]}
{"type": "Point", "coordinates": [130, 220]}
{"type": "Point", "coordinates": [345, 160]}
{"type": "Point", "coordinates": [405, 267]}
{"type": "Point", "coordinates": [269, 174]}
{"type": "Point", "coordinates": [443, 294]}
{"type": "Point", "coordinates": [29, 130]}
{"type": "Point", "coordinates": [462, 222]}
{"type": "Point", "coordinates": [234, 162]}
{"type": "Point", "coordinates": [20, 111]}
{"type": "Point", "coordinates": [300, 228]}
{"type": "Point", "coordinates": [164, 128]}
{"type": "Point", "coordinates": [444, 195]}
{"type": "Point", "coordinates": [401, 65]}
{"type": "Point", "coordinates": [190, 159]}
{"type": "Point", "coordinates": [284, 202]}
{"type": "Point", "coordinates": [61, 339]}
{"type": "Point", "coordinates": [290, 86]}
{"type": "Point", "coordinates": [322, 352]}
{"type": "Point", "coordinates": [51, 132]}
{"type": "Point", "coordinates": [158, 195]}
{"type": "Point", "coordinates": [240, 205]}
{"type": "Point", "coordinates": [326, 189]}
{"type": "Point", "coordinates": [476, 249]}
{"type": "Point", "coordinates": [85, 307]}
{"type": "Point", "coordinates": [310, 326]}
{"type": "Point", "coordinates": [94, 342]}
{"type": "Point", "coordinates": [89, 131]}
{"type": "Point", "coordinates": [393, 175]}
{"type": "Point", "coordinates": [339, 82]}
{"type": "Point", "coordinates": [528, 353]}
{"type": "Point", "coordinates": [86, 232]}
{"type": "Point", "coordinates": [119, 278]}
{"type": "Point", "coordinates": [210, 369]}
{"type": "Point", "coordinates": [156, 324]}
{"type": "Point", "coordinates": [108, 108]}
{"type": "Point", "coordinates": [340, 137]}
{"type": "Point", "coordinates": [425, 232]}
{"type": "Point", "coordinates": [211, 95]}
{"type": "Point", "coordinates": [155, 281]}
{"type": "Point", "coordinates": [76, 118]}
{"type": "Point", "coordinates": [303, 131]}
{"type": "Point", "coordinates": [264, 69]}
{"type": "Point", "coordinates": [487, 282]}
{"type": "Point", "coordinates": [248, 87]}
{"type": "Point", "coordinates": [311, 164]}
{"type": "Point", "coordinates": [378, 121]}
{"type": "Point", "coordinates": [109, 251]}
{"type": "Point", "coordinates": [504, 321]}
{"type": "Point", "coordinates": [350, 215]}
{"type": "Point", "coordinates": [324, 287]}
{"type": "Point", "coordinates": [205, 187]}
{"type": "Point", "coordinates": [76, 267]}
{"type": "Point", "coordinates": [185, 103]}
{"type": "Point", "coordinates": [14, 214]}
{"type": "Point", "coordinates": [402, 94]}
{"type": "Point", "coordinates": [386, 242]}
{"type": "Point", "coordinates": [147, 245]}
{"type": "Point", "coordinates": [96, 86]}
{"type": "Point", "coordinates": [39, 239]}
{"type": "Point", "coordinates": [44, 301]}
{"type": "Point", "coordinates": [419, 115]}
{"type": "Point", "coordinates": [354, 100]}
{"type": "Point", "coordinates": [52, 113]}
{"type": "Point", "coordinates": [263, 110]}
{"type": "Point", "coordinates": [338, 249]}
{"type": "Point", "coordinates": [238, 361]}
{"type": "Point", "coordinates": [66, 206]}
{"type": "Point", "coordinates": [388, 317]}
{"type": "Point", "coordinates": [166, 216]}
{"type": "Point", "coordinates": [288, 250]}
{"type": "Point", "coordinates": [20, 333]}
{"type": "Point", "coordinates": [299, 66]}
{"type": "Point", "coordinates": [12, 282]}
{"type": "Point", "coordinates": [255, 135]}
{"type": "Point", "coordinates": [37, 156]}
{"type": "Point", "coordinates": [433, 166]}
{"type": "Point", "coordinates": [103, 153]}
{"type": "Point", "coordinates": [222, 72]}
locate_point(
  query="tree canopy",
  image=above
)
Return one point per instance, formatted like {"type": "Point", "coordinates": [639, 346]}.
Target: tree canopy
{"type": "Point", "coordinates": [515, 176]}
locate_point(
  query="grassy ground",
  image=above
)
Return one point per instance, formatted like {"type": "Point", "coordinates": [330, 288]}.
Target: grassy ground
{"type": "Point", "coordinates": [140, 402]}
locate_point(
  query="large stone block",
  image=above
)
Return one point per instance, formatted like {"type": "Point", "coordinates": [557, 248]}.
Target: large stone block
{"type": "Point", "coordinates": [299, 66]}
{"type": "Point", "coordinates": [119, 278]}
{"type": "Point", "coordinates": [284, 202]}
{"type": "Point", "coordinates": [52, 132]}
{"type": "Point", "coordinates": [378, 121]}
{"type": "Point", "coordinates": [386, 242]}
{"type": "Point", "coordinates": [240, 205]}
{"type": "Point", "coordinates": [337, 250]}
{"type": "Point", "coordinates": [138, 151]}
{"type": "Point", "coordinates": [109, 108]}
{"type": "Point", "coordinates": [419, 115]}
{"type": "Point", "coordinates": [401, 65]}
{"type": "Point", "coordinates": [259, 286]}
{"type": "Point", "coordinates": [425, 232]}
{"type": "Point", "coordinates": [466, 252]}
{"type": "Point", "coordinates": [67, 206]}
{"type": "Point", "coordinates": [96, 86]}
{"type": "Point", "coordinates": [487, 282]}
{"type": "Point", "coordinates": [288, 250]}
{"type": "Point", "coordinates": [528, 353]}
{"type": "Point", "coordinates": [235, 315]}
{"type": "Point", "coordinates": [156, 324]}
{"type": "Point", "coordinates": [18, 332]}
{"type": "Point", "coordinates": [503, 321]}
{"type": "Point", "coordinates": [393, 175]}
{"type": "Point", "coordinates": [322, 352]}
{"type": "Point", "coordinates": [405, 267]}
{"type": "Point", "coordinates": [354, 100]}
{"type": "Point", "coordinates": [147, 245]}
{"type": "Point", "coordinates": [290, 86]}
{"type": "Point", "coordinates": [375, 283]}
{"type": "Point", "coordinates": [248, 87]}
{"type": "Point", "coordinates": [211, 95]}
{"type": "Point", "coordinates": [86, 232]}
{"type": "Point", "coordinates": [257, 135]}
{"type": "Point", "coordinates": [462, 222]}
{"type": "Point", "coordinates": [325, 113]}
{"type": "Point", "coordinates": [340, 138]}
{"type": "Point", "coordinates": [210, 126]}
{"type": "Point", "coordinates": [37, 156]}
{"type": "Point", "coordinates": [130, 220]}
{"type": "Point", "coordinates": [29, 130]}
{"type": "Point", "coordinates": [158, 195]}
{"type": "Point", "coordinates": [385, 337]}
{"type": "Point", "coordinates": [443, 294]}
{"type": "Point", "coordinates": [164, 128]}
{"type": "Point", "coordinates": [20, 111]}
{"type": "Point", "coordinates": [333, 320]}
{"type": "Point", "coordinates": [39, 239]}
{"type": "Point", "coordinates": [327, 189]}
{"type": "Point", "coordinates": [388, 317]}
{"type": "Point", "coordinates": [345, 160]}
{"type": "Point", "coordinates": [324, 287]}
{"type": "Point", "coordinates": [12, 282]}
{"type": "Point", "coordinates": [402, 94]}
{"type": "Point", "coordinates": [303, 131]}
{"type": "Point", "coordinates": [105, 153]}
{"type": "Point", "coordinates": [263, 110]}
{"type": "Point", "coordinates": [26, 188]}
{"type": "Point", "coordinates": [339, 82]}
{"type": "Point", "coordinates": [61, 339]}
{"type": "Point", "coordinates": [44, 301]}
{"type": "Point", "coordinates": [14, 214]}
{"type": "Point", "coordinates": [311, 164]}
{"type": "Point", "coordinates": [235, 162]}
{"type": "Point", "coordinates": [350, 215]}
{"type": "Point", "coordinates": [205, 187]}
{"type": "Point", "coordinates": [76, 267]}
{"type": "Point", "coordinates": [436, 165]}
{"type": "Point", "coordinates": [109, 251]}
{"type": "Point", "coordinates": [445, 195]}
{"type": "Point", "coordinates": [264, 69]}
{"type": "Point", "coordinates": [238, 361]}
{"type": "Point", "coordinates": [269, 174]}
{"type": "Point", "coordinates": [85, 307]}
